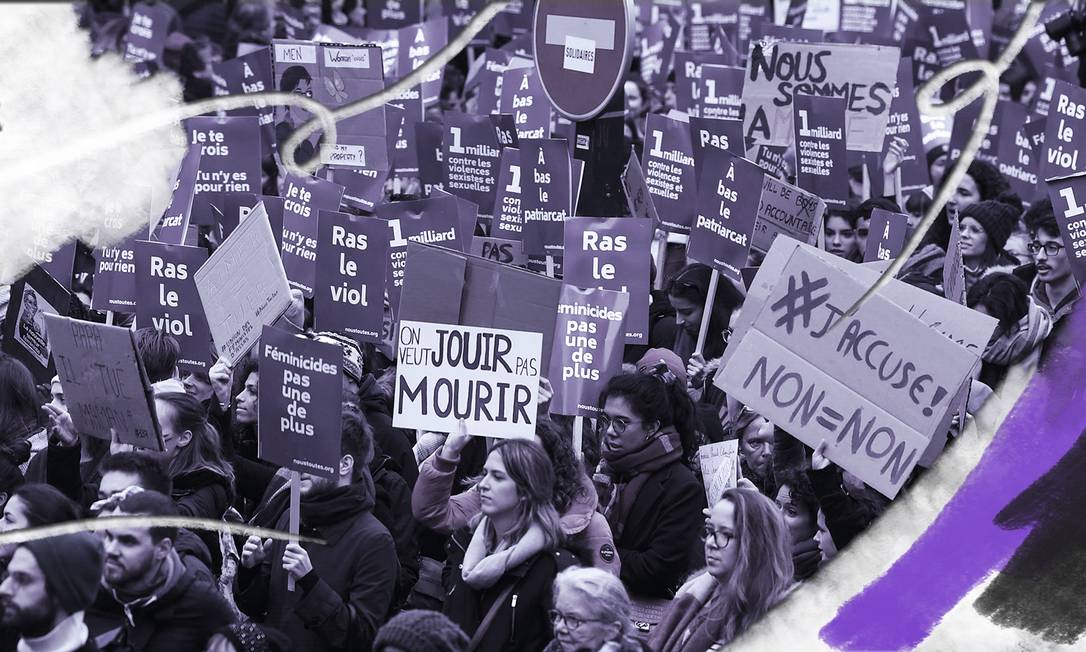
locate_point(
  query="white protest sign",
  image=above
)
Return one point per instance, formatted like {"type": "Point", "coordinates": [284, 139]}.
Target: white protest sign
{"type": "Point", "coordinates": [876, 387]}
{"type": "Point", "coordinates": [243, 286]}
{"type": "Point", "coordinates": [487, 376]}
{"type": "Point", "coordinates": [784, 208]}
{"type": "Point", "coordinates": [865, 75]}
{"type": "Point", "coordinates": [105, 387]}
{"type": "Point", "coordinates": [719, 467]}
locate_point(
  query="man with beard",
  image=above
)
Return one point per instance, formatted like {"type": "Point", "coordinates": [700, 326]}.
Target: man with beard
{"type": "Point", "coordinates": [49, 583]}
{"type": "Point", "coordinates": [148, 599]}
{"type": "Point", "coordinates": [343, 589]}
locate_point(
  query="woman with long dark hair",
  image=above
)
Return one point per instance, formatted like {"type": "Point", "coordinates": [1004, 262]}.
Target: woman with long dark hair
{"type": "Point", "coordinates": [648, 491]}
{"type": "Point", "coordinates": [687, 292]}
{"type": "Point", "coordinates": [203, 480]}
{"type": "Point", "coordinates": [748, 557]}
{"type": "Point", "coordinates": [499, 602]}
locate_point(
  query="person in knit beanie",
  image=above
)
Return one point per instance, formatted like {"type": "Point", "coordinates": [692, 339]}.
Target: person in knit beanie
{"type": "Point", "coordinates": [984, 228]}
{"type": "Point", "coordinates": [50, 582]}
{"type": "Point", "coordinates": [420, 631]}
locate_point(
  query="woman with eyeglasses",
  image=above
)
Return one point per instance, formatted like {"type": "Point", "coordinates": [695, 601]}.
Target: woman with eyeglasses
{"type": "Point", "coordinates": [591, 614]}
{"type": "Point", "coordinates": [648, 492]}
{"type": "Point", "coordinates": [502, 587]}
{"type": "Point", "coordinates": [748, 556]}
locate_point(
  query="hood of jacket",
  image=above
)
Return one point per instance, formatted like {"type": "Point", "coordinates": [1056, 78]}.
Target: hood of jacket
{"type": "Point", "coordinates": [581, 508]}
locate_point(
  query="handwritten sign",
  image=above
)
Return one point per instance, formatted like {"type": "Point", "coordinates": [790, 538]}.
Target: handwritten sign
{"type": "Point", "coordinates": [105, 386]}
{"type": "Point", "coordinates": [858, 73]}
{"type": "Point", "coordinates": [638, 197]}
{"type": "Point", "coordinates": [786, 209]}
{"type": "Point", "coordinates": [876, 388]}
{"type": "Point", "coordinates": [719, 467]}
{"type": "Point", "coordinates": [486, 376]}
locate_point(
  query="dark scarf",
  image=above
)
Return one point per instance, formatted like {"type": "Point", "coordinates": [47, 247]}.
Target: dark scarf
{"type": "Point", "coordinates": [338, 505]}
{"type": "Point", "coordinates": [628, 473]}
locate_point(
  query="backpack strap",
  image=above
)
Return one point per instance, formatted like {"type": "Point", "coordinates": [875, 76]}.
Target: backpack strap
{"type": "Point", "coordinates": [491, 614]}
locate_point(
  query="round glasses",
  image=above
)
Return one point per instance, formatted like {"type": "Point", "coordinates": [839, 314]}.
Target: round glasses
{"type": "Point", "coordinates": [719, 538]}
{"type": "Point", "coordinates": [570, 622]}
{"type": "Point", "coordinates": [619, 425]}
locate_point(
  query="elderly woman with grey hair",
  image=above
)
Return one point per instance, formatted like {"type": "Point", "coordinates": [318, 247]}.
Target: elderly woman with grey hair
{"type": "Point", "coordinates": [591, 613]}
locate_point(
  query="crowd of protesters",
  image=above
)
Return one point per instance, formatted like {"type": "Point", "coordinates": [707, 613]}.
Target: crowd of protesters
{"type": "Point", "coordinates": [446, 541]}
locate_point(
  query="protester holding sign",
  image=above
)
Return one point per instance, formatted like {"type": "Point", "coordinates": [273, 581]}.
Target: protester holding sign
{"type": "Point", "coordinates": [688, 293]}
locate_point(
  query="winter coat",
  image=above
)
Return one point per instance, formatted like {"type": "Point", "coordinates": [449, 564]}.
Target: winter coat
{"type": "Point", "coordinates": [587, 532]}
{"type": "Point", "coordinates": [391, 441]}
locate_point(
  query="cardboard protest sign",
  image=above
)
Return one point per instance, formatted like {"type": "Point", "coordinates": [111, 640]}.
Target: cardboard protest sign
{"type": "Point", "coordinates": [299, 422]}
{"type": "Point", "coordinates": [728, 195]}
{"type": "Point", "coordinates": [1068, 196]}
{"type": "Point", "coordinates": [148, 28]}
{"type": "Point", "coordinates": [488, 81]}
{"type": "Point", "coordinates": [820, 147]}
{"type": "Point", "coordinates": [953, 264]}
{"type": "Point", "coordinates": [1065, 135]}
{"type": "Point", "coordinates": [175, 221]}
{"type": "Point", "coordinates": [718, 133]}
{"type": "Point", "coordinates": [296, 71]}
{"type": "Point", "coordinates": [236, 206]}
{"type": "Point", "coordinates": [487, 377]}
{"type": "Point", "coordinates": [105, 386]}
{"type": "Point", "coordinates": [547, 199]}
{"type": "Point", "coordinates": [229, 161]}
{"type": "Point", "coordinates": [115, 277]}
{"type": "Point", "coordinates": [349, 73]}
{"type": "Point", "coordinates": [508, 252]}
{"type": "Point", "coordinates": [448, 287]}
{"type": "Point", "coordinates": [719, 467]}
{"type": "Point", "coordinates": [349, 295]}
{"type": "Point", "coordinates": [771, 159]}
{"type": "Point", "coordinates": [657, 49]}
{"type": "Point", "coordinates": [668, 162]}
{"type": "Point", "coordinates": [168, 300]}
{"type": "Point", "coordinates": [303, 198]}
{"type": "Point", "coordinates": [471, 157]}
{"type": "Point", "coordinates": [876, 388]}
{"type": "Point", "coordinates": [687, 87]}
{"type": "Point", "coordinates": [784, 208]}
{"type": "Point", "coordinates": [523, 96]}
{"type": "Point", "coordinates": [588, 335]}
{"type": "Point", "coordinates": [428, 144]}
{"type": "Point", "coordinates": [250, 73]}
{"type": "Point", "coordinates": [886, 235]}
{"type": "Point", "coordinates": [25, 337]}
{"type": "Point", "coordinates": [243, 286]}
{"type": "Point", "coordinates": [775, 73]}
{"type": "Point", "coordinates": [508, 217]}
{"type": "Point", "coordinates": [430, 221]}
{"type": "Point", "coordinates": [610, 253]}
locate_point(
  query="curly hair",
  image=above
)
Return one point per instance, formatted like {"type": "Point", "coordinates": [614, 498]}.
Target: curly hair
{"type": "Point", "coordinates": [568, 484]}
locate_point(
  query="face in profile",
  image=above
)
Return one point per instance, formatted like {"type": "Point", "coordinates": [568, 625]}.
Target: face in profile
{"type": "Point", "coordinates": [498, 492]}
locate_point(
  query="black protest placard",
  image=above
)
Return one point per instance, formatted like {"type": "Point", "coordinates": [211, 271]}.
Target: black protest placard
{"type": "Point", "coordinates": [821, 147]}
{"type": "Point", "coordinates": [25, 335]}
{"type": "Point", "coordinates": [471, 157]}
{"type": "Point", "coordinates": [668, 163]}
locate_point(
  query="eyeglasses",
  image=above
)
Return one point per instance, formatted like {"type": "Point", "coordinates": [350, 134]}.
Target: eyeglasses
{"type": "Point", "coordinates": [719, 538]}
{"type": "Point", "coordinates": [570, 622]}
{"type": "Point", "coordinates": [1050, 248]}
{"type": "Point", "coordinates": [619, 425]}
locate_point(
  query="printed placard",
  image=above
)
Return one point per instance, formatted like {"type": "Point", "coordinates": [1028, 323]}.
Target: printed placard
{"type": "Point", "coordinates": [105, 386]}
{"type": "Point", "coordinates": [488, 377]}
{"type": "Point", "coordinates": [229, 161]}
{"type": "Point", "coordinates": [471, 158]}
{"type": "Point", "coordinates": [776, 72]}
{"type": "Point", "coordinates": [115, 277]}
{"type": "Point", "coordinates": [668, 163]}
{"type": "Point", "coordinates": [820, 147]}
{"type": "Point", "coordinates": [904, 122]}
{"type": "Point", "coordinates": [508, 215]}
{"type": "Point", "coordinates": [547, 197]}
{"type": "Point", "coordinates": [1064, 132]}
{"type": "Point", "coordinates": [1068, 196]}
{"type": "Point", "coordinates": [886, 234]}
{"type": "Point", "coordinates": [719, 92]}
{"type": "Point", "coordinates": [250, 73]}
{"type": "Point", "coordinates": [300, 423]}
{"type": "Point", "coordinates": [430, 221]}
{"type": "Point", "coordinates": [243, 286]}
{"type": "Point", "coordinates": [718, 133]}
{"type": "Point", "coordinates": [523, 97]}
{"type": "Point", "coordinates": [173, 225]}
{"type": "Point", "coordinates": [168, 300]}
{"type": "Point", "coordinates": [728, 196]}
{"type": "Point", "coordinates": [430, 149]}
{"type": "Point", "coordinates": [638, 198]}
{"type": "Point", "coordinates": [25, 337]}
{"type": "Point", "coordinates": [303, 198]}
{"type": "Point", "coordinates": [609, 253]}
{"type": "Point", "coordinates": [147, 31]}
{"type": "Point", "coordinates": [588, 335]}
{"type": "Point", "coordinates": [350, 290]}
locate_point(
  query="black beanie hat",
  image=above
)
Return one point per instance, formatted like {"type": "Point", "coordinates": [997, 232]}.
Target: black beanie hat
{"type": "Point", "coordinates": [421, 631]}
{"type": "Point", "coordinates": [996, 218]}
{"type": "Point", "coordinates": [72, 567]}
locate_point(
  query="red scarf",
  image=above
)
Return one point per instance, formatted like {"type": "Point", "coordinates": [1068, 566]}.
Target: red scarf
{"type": "Point", "coordinates": [628, 472]}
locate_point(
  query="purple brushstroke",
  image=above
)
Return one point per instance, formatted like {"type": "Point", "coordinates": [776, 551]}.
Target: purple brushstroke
{"type": "Point", "coordinates": [900, 609]}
